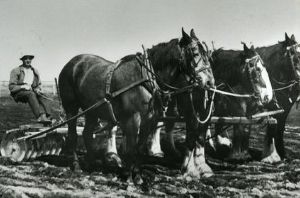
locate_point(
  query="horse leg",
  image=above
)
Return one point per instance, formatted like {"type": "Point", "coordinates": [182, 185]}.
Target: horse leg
{"type": "Point", "coordinates": [275, 133]}
{"type": "Point", "coordinates": [223, 143]}
{"type": "Point", "coordinates": [170, 139]}
{"type": "Point", "coordinates": [89, 127]}
{"type": "Point", "coordinates": [209, 146]}
{"type": "Point", "coordinates": [155, 148]}
{"type": "Point", "coordinates": [240, 142]}
{"type": "Point", "coordinates": [194, 163]}
{"type": "Point", "coordinates": [270, 154]}
{"type": "Point", "coordinates": [279, 143]}
{"type": "Point", "coordinates": [130, 128]}
{"type": "Point", "coordinates": [71, 141]}
{"type": "Point", "coordinates": [112, 158]}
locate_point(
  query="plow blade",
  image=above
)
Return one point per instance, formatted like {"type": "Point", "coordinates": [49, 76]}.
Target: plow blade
{"type": "Point", "coordinates": [18, 147]}
{"type": "Point", "coordinates": [24, 149]}
{"type": "Point", "coordinates": [16, 150]}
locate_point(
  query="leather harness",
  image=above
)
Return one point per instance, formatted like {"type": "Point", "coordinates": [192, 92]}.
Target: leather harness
{"type": "Point", "coordinates": [110, 95]}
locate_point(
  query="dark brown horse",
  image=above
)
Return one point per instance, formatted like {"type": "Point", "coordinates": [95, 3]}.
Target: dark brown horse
{"type": "Point", "coordinates": [84, 81]}
{"type": "Point", "coordinates": [241, 72]}
{"type": "Point", "coordinates": [282, 61]}
{"type": "Point", "coordinates": [194, 159]}
{"type": "Point", "coordinates": [283, 64]}
{"type": "Point", "coordinates": [87, 79]}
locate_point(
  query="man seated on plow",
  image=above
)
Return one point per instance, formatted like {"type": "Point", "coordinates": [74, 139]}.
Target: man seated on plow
{"type": "Point", "coordinates": [25, 87]}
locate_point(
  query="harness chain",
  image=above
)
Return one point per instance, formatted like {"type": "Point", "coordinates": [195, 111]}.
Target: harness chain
{"type": "Point", "coordinates": [108, 94]}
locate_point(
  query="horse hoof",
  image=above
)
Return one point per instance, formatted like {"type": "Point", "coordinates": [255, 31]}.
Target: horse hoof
{"type": "Point", "coordinates": [113, 160]}
{"type": "Point", "coordinates": [76, 168]}
{"type": "Point", "coordinates": [207, 173]}
{"type": "Point", "coordinates": [273, 158]}
{"type": "Point", "coordinates": [137, 180]}
{"type": "Point", "coordinates": [159, 154]}
{"type": "Point", "coordinates": [239, 156]}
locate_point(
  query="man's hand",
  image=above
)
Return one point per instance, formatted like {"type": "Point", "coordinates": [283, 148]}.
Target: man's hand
{"type": "Point", "coordinates": [26, 87]}
{"type": "Point", "coordinates": [37, 91]}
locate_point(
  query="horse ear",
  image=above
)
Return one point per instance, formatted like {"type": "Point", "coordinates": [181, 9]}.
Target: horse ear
{"type": "Point", "coordinates": [252, 47]}
{"type": "Point", "coordinates": [184, 34]}
{"type": "Point", "coordinates": [192, 34]}
{"type": "Point", "coordinates": [286, 37]}
{"type": "Point", "coordinates": [185, 40]}
{"type": "Point", "coordinates": [293, 37]}
{"type": "Point", "coordinates": [245, 46]}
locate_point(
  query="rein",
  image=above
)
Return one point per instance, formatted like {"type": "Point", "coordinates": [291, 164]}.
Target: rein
{"type": "Point", "coordinates": [232, 94]}
{"type": "Point", "coordinates": [210, 110]}
{"type": "Point", "coordinates": [290, 84]}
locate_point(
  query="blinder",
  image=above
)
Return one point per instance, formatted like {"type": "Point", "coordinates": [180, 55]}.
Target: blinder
{"type": "Point", "coordinates": [189, 69]}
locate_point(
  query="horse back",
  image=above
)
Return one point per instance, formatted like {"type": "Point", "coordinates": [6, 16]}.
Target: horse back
{"type": "Point", "coordinates": [72, 79]}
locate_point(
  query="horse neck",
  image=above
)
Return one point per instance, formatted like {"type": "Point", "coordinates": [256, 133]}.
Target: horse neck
{"type": "Point", "coordinates": [131, 69]}
{"type": "Point", "coordinates": [166, 62]}
{"type": "Point", "coordinates": [227, 67]}
{"type": "Point", "coordinates": [274, 59]}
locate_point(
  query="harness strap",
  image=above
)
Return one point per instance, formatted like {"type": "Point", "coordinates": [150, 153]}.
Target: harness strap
{"type": "Point", "coordinates": [109, 77]}
{"type": "Point", "coordinates": [285, 87]}
{"type": "Point", "coordinates": [132, 85]}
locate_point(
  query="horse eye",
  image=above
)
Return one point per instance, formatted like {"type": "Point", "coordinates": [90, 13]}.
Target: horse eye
{"type": "Point", "coordinates": [196, 54]}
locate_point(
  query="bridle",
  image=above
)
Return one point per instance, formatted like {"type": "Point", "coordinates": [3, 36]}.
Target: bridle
{"type": "Point", "coordinates": [188, 52]}
{"type": "Point", "coordinates": [184, 52]}
{"type": "Point", "coordinates": [295, 48]}
{"type": "Point", "coordinates": [291, 83]}
{"type": "Point", "coordinates": [253, 60]}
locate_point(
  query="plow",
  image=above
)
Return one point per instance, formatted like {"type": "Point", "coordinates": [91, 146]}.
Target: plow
{"type": "Point", "coordinates": [31, 141]}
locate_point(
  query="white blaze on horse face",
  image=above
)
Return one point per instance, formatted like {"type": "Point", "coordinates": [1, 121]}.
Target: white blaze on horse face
{"type": "Point", "coordinates": [201, 75]}
{"type": "Point", "coordinates": [266, 93]}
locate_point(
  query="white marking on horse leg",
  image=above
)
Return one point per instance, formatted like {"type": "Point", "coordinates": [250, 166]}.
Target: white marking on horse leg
{"type": "Point", "coordinates": [194, 163]}
{"type": "Point", "coordinates": [224, 141]}
{"type": "Point", "coordinates": [111, 141]}
{"type": "Point", "coordinates": [155, 148]}
{"type": "Point", "coordinates": [272, 155]}
{"type": "Point", "coordinates": [210, 140]}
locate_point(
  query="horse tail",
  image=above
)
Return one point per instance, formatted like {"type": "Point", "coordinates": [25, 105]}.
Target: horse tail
{"type": "Point", "coordinates": [67, 87]}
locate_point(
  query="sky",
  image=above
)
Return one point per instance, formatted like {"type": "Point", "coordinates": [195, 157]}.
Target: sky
{"type": "Point", "coordinates": [57, 30]}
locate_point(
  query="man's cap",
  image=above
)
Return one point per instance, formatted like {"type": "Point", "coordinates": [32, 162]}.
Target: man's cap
{"type": "Point", "coordinates": [27, 56]}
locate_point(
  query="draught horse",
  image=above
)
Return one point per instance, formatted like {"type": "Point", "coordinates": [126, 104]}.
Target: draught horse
{"type": "Point", "coordinates": [166, 58]}
{"type": "Point", "coordinates": [241, 72]}
{"type": "Point", "coordinates": [194, 159]}
{"type": "Point", "coordinates": [282, 62]}
{"type": "Point", "coordinates": [87, 79]}
{"type": "Point", "coordinates": [283, 65]}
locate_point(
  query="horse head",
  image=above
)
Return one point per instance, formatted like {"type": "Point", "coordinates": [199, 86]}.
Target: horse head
{"type": "Point", "coordinates": [255, 70]}
{"type": "Point", "coordinates": [291, 50]}
{"type": "Point", "coordinates": [196, 60]}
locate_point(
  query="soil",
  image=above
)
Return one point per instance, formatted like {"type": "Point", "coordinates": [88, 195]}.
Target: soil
{"type": "Point", "coordinates": [52, 177]}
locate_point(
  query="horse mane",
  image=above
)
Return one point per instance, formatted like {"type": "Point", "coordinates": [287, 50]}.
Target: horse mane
{"type": "Point", "coordinates": [268, 51]}
{"type": "Point", "coordinates": [165, 54]}
{"type": "Point", "coordinates": [128, 58]}
{"type": "Point", "coordinates": [227, 63]}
